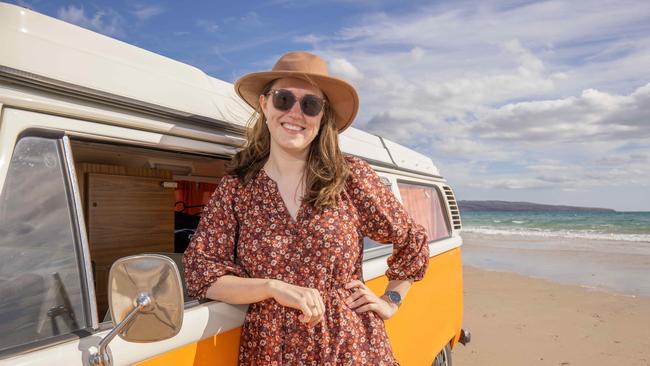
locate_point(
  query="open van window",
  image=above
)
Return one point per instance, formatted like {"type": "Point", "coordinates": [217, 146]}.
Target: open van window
{"type": "Point", "coordinates": [140, 200]}
{"type": "Point", "coordinates": [40, 278]}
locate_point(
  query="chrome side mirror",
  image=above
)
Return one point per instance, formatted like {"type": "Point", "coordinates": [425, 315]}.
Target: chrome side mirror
{"type": "Point", "coordinates": [146, 302]}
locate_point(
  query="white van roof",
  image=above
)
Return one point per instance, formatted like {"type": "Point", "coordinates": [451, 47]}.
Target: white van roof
{"type": "Point", "coordinates": [53, 52]}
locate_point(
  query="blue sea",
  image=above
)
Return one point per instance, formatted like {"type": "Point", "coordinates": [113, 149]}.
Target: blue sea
{"type": "Point", "coordinates": [618, 226]}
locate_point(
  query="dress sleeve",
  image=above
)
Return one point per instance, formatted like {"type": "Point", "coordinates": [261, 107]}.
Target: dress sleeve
{"type": "Point", "coordinates": [384, 220]}
{"type": "Point", "coordinates": [210, 253]}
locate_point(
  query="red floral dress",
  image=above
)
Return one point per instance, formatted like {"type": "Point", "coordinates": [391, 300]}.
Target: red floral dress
{"type": "Point", "coordinates": [319, 249]}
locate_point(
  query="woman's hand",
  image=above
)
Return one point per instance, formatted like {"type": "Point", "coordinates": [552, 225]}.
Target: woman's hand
{"type": "Point", "coordinates": [362, 300]}
{"type": "Point", "coordinates": [305, 299]}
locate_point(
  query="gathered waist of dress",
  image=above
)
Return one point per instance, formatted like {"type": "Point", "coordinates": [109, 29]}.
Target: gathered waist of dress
{"type": "Point", "coordinates": [328, 296]}
{"type": "Point", "coordinates": [339, 291]}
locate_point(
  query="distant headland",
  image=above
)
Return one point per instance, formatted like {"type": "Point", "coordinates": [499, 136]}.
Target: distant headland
{"type": "Point", "coordinates": [469, 206]}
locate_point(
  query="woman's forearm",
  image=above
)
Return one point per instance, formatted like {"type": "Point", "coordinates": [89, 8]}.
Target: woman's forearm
{"type": "Point", "coordinates": [240, 290]}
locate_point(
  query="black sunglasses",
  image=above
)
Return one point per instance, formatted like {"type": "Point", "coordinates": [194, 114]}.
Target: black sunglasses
{"type": "Point", "coordinates": [284, 100]}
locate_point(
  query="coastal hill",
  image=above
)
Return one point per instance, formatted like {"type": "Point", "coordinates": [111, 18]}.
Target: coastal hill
{"type": "Point", "coordinates": [469, 206]}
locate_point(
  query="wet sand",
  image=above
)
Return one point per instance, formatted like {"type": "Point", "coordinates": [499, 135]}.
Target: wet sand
{"type": "Point", "coordinates": [516, 319]}
{"type": "Point", "coordinates": [612, 266]}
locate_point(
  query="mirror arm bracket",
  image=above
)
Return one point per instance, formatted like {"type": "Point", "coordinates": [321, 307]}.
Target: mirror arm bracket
{"type": "Point", "coordinates": [102, 357]}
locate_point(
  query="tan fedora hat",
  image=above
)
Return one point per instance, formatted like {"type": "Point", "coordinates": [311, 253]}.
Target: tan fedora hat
{"type": "Point", "coordinates": [341, 96]}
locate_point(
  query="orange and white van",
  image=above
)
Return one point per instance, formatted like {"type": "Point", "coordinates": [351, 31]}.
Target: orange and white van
{"type": "Point", "coordinates": [108, 151]}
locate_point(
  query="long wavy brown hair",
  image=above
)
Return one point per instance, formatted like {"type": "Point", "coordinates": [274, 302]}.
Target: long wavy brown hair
{"type": "Point", "coordinates": [326, 170]}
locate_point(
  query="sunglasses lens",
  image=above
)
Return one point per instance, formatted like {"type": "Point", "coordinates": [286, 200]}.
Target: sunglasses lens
{"type": "Point", "coordinates": [311, 105]}
{"type": "Point", "coordinates": [283, 100]}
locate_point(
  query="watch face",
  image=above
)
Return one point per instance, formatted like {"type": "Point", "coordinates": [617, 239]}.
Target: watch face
{"type": "Point", "coordinates": [394, 297]}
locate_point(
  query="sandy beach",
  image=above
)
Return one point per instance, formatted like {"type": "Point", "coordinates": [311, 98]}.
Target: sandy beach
{"type": "Point", "coordinates": [520, 315]}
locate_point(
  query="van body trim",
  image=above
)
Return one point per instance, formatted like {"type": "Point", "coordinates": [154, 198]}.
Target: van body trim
{"type": "Point", "coordinates": [24, 350]}
{"type": "Point", "coordinates": [387, 168]}
{"type": "Point", "coordinates": [385, 147]}
{"type": "Point", "coordinates": [61, 87]}
{"type": "Point", "coordinates": [81, 224]}
{"type": "Point", "coordinates": [216, 150]}
{"type": "Point", "coordinates": [376, 265]}
{"type": "Point", "coordinates": [67, 106]}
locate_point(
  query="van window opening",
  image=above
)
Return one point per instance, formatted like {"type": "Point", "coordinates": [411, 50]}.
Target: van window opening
{"type": "Point", "coordinates": [425, 204]}
{"type": "Point", "coordinates": [139, 200]}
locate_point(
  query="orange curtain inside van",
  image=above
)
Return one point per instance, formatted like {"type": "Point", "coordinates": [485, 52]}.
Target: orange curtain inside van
{"type": "Point", "coordinates": [424, 205]}
{"type": "Point", "coordinates": [192, 194]}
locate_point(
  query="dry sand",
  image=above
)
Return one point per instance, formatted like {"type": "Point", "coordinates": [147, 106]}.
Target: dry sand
{"type": "Point", "coordinates": [519, 320]}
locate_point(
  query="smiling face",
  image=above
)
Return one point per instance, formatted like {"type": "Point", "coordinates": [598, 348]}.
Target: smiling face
{"type": "Point", "coordinates": [292, 130]}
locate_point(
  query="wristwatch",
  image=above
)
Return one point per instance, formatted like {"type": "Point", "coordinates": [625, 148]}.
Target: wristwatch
{"type": "Point", "coordinates": [394, 297]}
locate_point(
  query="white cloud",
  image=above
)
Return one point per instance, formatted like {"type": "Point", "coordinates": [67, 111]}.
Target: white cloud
{"type": "Point", "coordinates": [145, 12]}
{"type": "Point", "coordinates": [417, 53]}
{"type": "Point", "coordinates": [513, 183]}
{"type": "Point", "coordinates": [343, 68]}
{"type": "Point", "coordinates": [472, 148]}
{"type": "Point", "coordinates": [311, 39]}
{"type": "Point", "coordinates": [108, 21]}
{"type": "Point", "coordinates": [621, 170]}
{"type": "Point", "coordinates": [594, 115]}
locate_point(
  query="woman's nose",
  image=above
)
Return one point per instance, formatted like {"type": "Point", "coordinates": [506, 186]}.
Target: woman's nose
{"type": "Point", "coordinates": [295, 108]}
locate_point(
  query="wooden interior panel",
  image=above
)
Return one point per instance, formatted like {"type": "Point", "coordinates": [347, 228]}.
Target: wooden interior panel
{"type": "Point", "coordinates": [82, 169]}
{"type": "Point", "coordinates": [126, 215]}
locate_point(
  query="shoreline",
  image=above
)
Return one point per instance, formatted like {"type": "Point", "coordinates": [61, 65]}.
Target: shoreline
{"type": "Point", "coordinates": [608, 266]}
{"type": "Point", "coordinates": [519, 320]}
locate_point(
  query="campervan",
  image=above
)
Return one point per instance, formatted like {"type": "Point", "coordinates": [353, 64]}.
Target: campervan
{"type": "Point", "coordinates": [107, 154]}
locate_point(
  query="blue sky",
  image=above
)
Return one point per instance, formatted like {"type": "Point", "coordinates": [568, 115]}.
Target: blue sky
{"type": "Point", "coordinates": [545, 101]}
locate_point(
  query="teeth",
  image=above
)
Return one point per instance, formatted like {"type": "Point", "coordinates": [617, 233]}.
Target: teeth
{"type": "Point", "coordinates": [292, 127]}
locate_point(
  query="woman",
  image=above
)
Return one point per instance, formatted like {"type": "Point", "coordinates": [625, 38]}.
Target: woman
{"type": "Point", "coordinates": [284, 232]}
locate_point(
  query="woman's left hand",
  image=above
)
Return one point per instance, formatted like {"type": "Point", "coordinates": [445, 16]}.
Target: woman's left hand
{"type": "Point", "coordinates": [362, 300]}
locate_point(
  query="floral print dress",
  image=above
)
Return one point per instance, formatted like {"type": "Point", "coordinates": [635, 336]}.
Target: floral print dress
{"type": "Point", "coordinates": [319, 249]}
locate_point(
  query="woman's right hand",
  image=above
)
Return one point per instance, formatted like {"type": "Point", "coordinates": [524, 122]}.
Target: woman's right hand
{"type": "Point", "coordinates": [308, 300]}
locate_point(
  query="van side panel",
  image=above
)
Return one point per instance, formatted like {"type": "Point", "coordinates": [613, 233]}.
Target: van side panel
{"type": "Point", "coordinates": [425, 323]}
{"type": "Point", "coordinates": [432, 312]}
{"type": "Point", "coordinates": [222, 349]}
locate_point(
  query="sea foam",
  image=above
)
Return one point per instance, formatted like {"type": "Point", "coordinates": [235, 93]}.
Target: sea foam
{"type": "Point", "coordinates": [561, 234]}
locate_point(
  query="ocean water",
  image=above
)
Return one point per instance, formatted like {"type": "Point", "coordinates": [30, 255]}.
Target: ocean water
{"type": "Point", "coordinates": [617, 226]}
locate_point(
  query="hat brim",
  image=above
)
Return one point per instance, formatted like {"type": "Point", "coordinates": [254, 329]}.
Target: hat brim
{"type": "Point", "coordinates": [342, 97]}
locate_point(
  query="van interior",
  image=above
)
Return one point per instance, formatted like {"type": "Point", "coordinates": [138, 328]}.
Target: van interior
{"type": "Point", "coordinates": [139, 200]}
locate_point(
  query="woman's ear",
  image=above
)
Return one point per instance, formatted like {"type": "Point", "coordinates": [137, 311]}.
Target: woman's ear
{"type": "Point", "coordinates": [262, 102]}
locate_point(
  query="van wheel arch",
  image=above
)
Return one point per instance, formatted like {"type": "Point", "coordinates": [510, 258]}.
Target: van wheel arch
{"type": "Point", "coordinates": [444, 357]}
